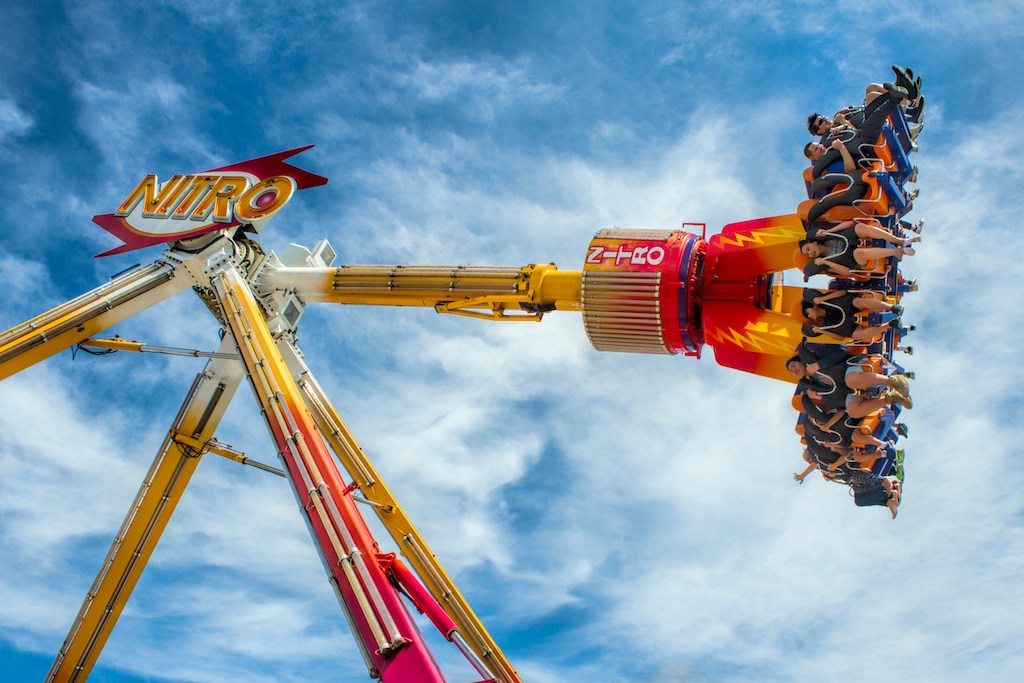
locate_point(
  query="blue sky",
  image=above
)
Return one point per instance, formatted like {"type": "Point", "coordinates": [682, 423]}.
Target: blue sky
{"type": "Point", "coordinates": [611, 517]}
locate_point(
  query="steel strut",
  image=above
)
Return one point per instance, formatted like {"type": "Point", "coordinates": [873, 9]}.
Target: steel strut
{"type": "Point", "coordinates": [160, 492]}
{"type": "Point", "coordinates": [470, 635]}
{"type": "Point", "coordinates": [390, 641]}
{"type": "Point", "coordinates": [96, 310]}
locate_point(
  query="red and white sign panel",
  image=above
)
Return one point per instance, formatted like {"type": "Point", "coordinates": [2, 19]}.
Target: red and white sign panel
{"type": "Point", "coordinates": [247, 192]}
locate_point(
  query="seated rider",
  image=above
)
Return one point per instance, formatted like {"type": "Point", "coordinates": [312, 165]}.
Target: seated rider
{"type": "Point", "coordinates": [842, 125]}
{"type": "Point", "coordinates": [838, 253]}
{"type": "Point", "coordinates": [866, 230]}
{"type": "Point", "coordinates": [848, 150]}
{"type": "Point", "coordinates": [870, 489]}
{"type": "Point", "coordinates": [834, 314]}
{"type": "Point", "coordinates": [846, 120]}
{"type": "Point", "coordinates": [819, 457]}
{"type": "Point", "coordinates": [830, 379]}
{"type": "Point", "coordinates": [834, 427]}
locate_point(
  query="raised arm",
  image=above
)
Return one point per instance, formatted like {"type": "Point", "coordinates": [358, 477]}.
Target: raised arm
{"type": "Point", "coordinates": [835, 268]}
{"type": "Point", "coordinates": [848, 163]}
{"type": "Point", "coordinates": [833, 294]}
{"type": "Point", "coordinates": [803, 475]}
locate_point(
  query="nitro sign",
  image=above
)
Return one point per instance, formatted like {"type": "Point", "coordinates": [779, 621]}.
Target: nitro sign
{"type": "Point", "coordinates": [246, 193]}
{"type": "Point", "coordinates": [637, 255]}
{"type": "Point", "coordinates": [203, 198]}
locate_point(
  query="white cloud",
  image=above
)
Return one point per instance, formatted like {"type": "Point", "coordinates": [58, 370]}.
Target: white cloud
{"type": "Point", "coordinates": [682, 519]}
{"type": "Point", "coordinates": [480, 88]}
{"type": "Point", "coordinates": [635, 514]}
{"type": "Point", "coordinates": [128, 122]}
{"type": "Point", "coordinates": [13, 121]}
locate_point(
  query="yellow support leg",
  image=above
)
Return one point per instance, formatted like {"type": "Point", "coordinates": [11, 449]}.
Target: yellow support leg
{"type": "Point", "coordinates": [160, 492]}
{"type": "Point", "coordinates": [414, 548]}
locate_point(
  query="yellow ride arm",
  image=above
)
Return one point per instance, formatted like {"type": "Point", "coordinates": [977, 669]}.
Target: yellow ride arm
{"type": "Point", "coordinates": [499, 293]}
{"type": "Point", "coordinates": [96, 310]}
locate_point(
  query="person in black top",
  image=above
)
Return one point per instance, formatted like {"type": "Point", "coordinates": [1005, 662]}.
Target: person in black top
{"type": "Point", "coordinates": [866, 230]}
{"type": "Point", "coordinates": [847, 120]}
{"type": "Point", "coordinates": [876, 114]}
{"type": "Point", "coordinates": [834, 314]}
{"type": "Point", "coordinates": [829, 378]}
{"type": "Point", "coordinates": [835, 427]}
{"type": "Point", "coordinates": [838, 252]}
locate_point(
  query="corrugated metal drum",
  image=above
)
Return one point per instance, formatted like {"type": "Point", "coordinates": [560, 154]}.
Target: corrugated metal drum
{"type": "Point", "coordinates": [636, 294]}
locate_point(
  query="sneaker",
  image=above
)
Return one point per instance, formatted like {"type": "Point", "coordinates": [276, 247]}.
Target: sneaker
{"type": "Point", "coordinates": [910, 375]}
{"type": "Point", "coordinates": [895, 323]}
{"type": "Point", "coordinates": [901, 400]}
{"type": "Point", "coordinates": [900, 384]}
{"type": "Point", "coordinates": [915, 113]}
{"type": "Point", "coordinates": [897, 90]}
{"type": "Point", "coordinates": [905, 81]}
{"type": "Point", "coordinates": [902, 430]}
{"type": "Point", "coordinates": [903, 74]}
{"type": "Point", "coordinates": [896, 310]}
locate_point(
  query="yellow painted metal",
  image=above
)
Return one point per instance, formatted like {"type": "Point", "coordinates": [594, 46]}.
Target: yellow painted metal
{"type": "Point", "coordinates": [494, 293]}
{"type": "Point", "coordinates": [217, 448]}
{"type": "Point", "coordinates": [789, 298]}
{"type": "Point", "coordinates": [159, 494]}
{"type": "Point", "coordinates": [559, 287]}
{"type": "Point", "coordinates": [119, 344]}
{"type": "Point", "coordinates": [498, 293]}
{"type": "Point", "coordinates": [289, 419]}
{"type": "Point", "coordinates": [115, 344]}
{"type": "Point", "coordinates": [412, 544]}
{"type": "Point", "coordinates": [78, 319]}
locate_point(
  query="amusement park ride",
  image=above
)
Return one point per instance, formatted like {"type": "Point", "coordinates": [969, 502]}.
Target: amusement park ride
{"type": "Point", "coordinates": [662, 292]}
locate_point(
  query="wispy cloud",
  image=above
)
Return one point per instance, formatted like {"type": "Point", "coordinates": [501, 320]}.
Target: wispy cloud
{"type": "Point", "coordinates": [611, 516]}
{"type": "Point", "coordinates": [481, 87]}
{"type": "Point", "coordinates": [13, 121]}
